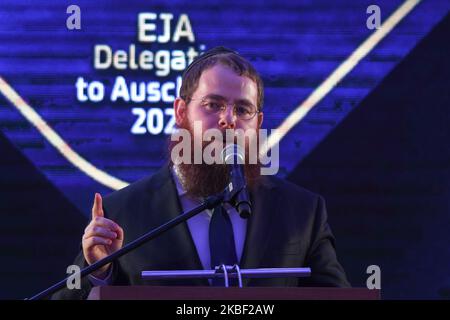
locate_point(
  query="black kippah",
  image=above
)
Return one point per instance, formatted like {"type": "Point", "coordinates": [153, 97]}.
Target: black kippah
{"type": "Point", "coordinates": [209, 53]}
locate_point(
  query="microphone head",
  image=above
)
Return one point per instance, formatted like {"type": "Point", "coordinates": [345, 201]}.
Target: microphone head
{"type": "Point", "coordinates": [233, 154]}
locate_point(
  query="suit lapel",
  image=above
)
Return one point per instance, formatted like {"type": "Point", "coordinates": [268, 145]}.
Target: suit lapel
{"type": "Point", "coordinates": [183, 253]}
{"type": "Point", "coordinates": [259, 231]}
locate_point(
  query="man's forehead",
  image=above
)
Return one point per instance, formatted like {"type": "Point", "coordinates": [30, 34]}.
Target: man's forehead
{"type": "Point", "coordinates": [222, 81]}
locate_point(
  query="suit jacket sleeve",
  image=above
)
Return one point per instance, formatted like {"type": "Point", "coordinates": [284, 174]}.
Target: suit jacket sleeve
{"type": "Point", "coordinates": [321, 256]}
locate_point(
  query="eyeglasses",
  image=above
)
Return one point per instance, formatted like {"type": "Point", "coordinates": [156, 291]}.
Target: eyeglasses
{"type": "Point", "coordinates": [242, 110]}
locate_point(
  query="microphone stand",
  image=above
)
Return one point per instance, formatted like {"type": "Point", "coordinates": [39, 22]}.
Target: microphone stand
{"type": "Point", "coordinates": [228, 195]}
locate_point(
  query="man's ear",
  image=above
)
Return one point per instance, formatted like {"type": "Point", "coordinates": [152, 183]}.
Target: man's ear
{"type": "Point", "coordinates": [260, 119]}
{"type": "Point", "coordinates": [180, 108]}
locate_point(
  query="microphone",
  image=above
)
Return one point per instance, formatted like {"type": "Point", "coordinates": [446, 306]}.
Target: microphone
{"type": "Point", "coordinates": [233, 156]}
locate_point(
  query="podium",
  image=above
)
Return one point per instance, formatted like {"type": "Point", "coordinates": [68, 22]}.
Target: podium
{"type": "Point", "coordinates": [231, 293]}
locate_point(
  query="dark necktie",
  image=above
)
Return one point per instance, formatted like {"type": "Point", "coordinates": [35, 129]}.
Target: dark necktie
{"type": "Point", "coordinates": [221, 242]}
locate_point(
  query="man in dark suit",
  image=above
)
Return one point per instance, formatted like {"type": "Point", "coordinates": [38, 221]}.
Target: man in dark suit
{"type": "Point", "coordinates": [288, 226]}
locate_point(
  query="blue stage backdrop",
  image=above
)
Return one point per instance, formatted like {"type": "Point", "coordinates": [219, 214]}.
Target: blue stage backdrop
{"type": "Point", "coordinates": [89, 109]}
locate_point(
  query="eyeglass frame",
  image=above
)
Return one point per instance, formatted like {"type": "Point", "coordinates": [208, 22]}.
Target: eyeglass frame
{"type": "Point", "coordinates": [189, 99]}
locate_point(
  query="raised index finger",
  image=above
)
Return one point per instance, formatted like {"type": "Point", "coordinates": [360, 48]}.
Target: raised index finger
{"type": "Point", "coordinates": [97, 209]}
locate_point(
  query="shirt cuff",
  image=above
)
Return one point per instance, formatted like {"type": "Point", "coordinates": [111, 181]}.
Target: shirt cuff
{"type": "Point", "coordinates": [96, 282]}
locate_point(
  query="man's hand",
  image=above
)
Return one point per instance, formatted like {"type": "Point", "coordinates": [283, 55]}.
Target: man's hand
{"type": "Point", "coordinates": [101, 238]}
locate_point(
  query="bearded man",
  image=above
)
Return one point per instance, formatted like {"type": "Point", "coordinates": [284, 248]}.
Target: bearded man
{"type": "Point", "coordinates": [287, 228]}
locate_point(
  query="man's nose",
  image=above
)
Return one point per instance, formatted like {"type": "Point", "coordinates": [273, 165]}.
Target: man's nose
{"type": "Point", "coordinates": [227, 118]}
